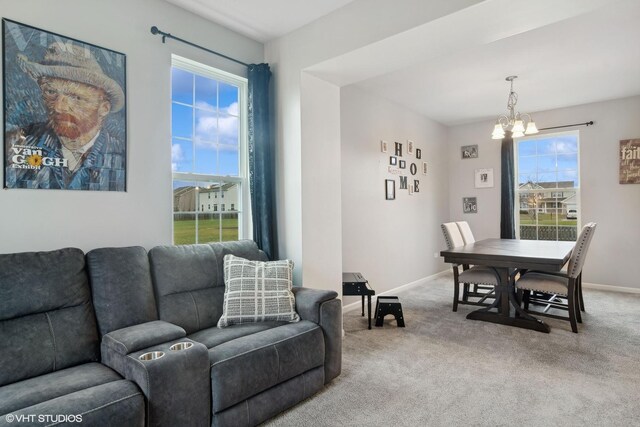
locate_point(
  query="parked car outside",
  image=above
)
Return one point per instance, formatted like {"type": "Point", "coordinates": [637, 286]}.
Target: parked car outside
{"type": "Point", "coordinates": [572, 214]}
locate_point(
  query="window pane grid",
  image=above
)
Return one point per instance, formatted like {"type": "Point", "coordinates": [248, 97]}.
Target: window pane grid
{"type": "Point", "coordinates": [208, 187]}
{"type": "Point", "coordinates": [547, 188]}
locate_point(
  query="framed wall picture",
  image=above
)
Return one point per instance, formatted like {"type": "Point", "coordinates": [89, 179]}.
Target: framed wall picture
{"type": "Point", "coordinates": [410, 189]}
{"type": "Point", "coordinates": [402, 164]}
{"type": "Point", "coordinates": [409, 147]}
{"type": "Point", "coordinates": [390, 189]}
{"type": "Point", "coordinates": [65, 118]}
{"type": "Point", "coordinates": [484, 178]}
{"type": "Point", "coordinates": [469, 151]}
{"type": "Point", "coordinates": [469, 205]}
{"type": "Point", "coordinates": [383, 146]}
{"type": "Point", "coordinates": [630, 161]}
{"type": "Point", "coordinates": [393, 160]}
{"type": "Point", "coordinates": [424, 168]}
{"type": "Point", "coordinates": [418, 153]}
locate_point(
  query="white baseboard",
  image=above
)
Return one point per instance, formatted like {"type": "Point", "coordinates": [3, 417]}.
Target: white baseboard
{"type": "Point", "coordinates": [399, 289]}
{"type": "Point", "coordinates": [611, 288]}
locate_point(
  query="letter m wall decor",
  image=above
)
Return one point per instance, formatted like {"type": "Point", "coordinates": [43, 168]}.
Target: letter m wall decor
{"type": "Point", "coordinates": [64, 112]}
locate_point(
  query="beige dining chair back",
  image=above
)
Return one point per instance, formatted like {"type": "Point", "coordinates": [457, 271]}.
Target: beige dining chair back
{"type": "Point", "coordinates": [465, 230]}
{"type": "Point", "coordinates": [452, 235]}
{"type": "Point", "coordinates": [470, 275]}
{"type": "Point", "coordinates": [567, 285]}
{"type": "Point", "coordinates": [576, 262]}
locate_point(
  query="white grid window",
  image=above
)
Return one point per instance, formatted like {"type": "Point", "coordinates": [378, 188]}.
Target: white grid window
{"type": "Point", "coordinates": [208, 152]}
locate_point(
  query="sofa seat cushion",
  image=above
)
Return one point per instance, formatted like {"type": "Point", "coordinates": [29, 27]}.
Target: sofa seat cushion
{"type": "Point", "coordinates": [114, 404]}
{"type": "Point", "coordinates": [93, 391]}
{"type": "Point", "coordinates": [36, 390]}
{"type": "Point", "coordinates": [214, 336]}
{"type": "Point", "coordinates": [248, 365]}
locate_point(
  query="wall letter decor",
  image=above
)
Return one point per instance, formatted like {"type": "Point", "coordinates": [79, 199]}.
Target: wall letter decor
{"type": "Point", "coordinates": [398, 149]}
{"type": "Point", "coordinates": [403, 182]}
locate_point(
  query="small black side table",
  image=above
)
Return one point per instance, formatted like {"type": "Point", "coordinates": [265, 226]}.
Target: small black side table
{"type": "Point", "coordinates": [354, 284]}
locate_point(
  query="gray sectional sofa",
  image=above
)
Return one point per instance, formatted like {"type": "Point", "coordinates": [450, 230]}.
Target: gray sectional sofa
{"type": "Point", "coordinates": [78, 335]}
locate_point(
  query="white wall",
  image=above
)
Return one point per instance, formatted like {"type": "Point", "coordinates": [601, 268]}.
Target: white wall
{"type": "Point", "coordinates": [50, 219]}
{"type": "Point", "coordinates": [321, 244]}
{"type": "Point", "coordinates": [390, 242]}
{"type": "Point", "coordinates": [615, 249]}
{"type": "Point", "coordinates": [347, 29]}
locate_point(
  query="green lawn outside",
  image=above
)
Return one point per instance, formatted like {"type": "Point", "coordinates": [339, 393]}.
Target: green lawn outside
{"type": "Point", "coordinates": [184, 230]}
{"type": "Point", "coordinates": [546, 219]}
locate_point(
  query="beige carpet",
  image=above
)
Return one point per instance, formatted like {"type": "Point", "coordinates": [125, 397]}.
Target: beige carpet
{"type": "Point", "coordinates": [443, 369]}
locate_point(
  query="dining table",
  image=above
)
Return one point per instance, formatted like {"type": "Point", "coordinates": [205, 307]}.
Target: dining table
{"type": "Point", "coordinates": [506, 257]}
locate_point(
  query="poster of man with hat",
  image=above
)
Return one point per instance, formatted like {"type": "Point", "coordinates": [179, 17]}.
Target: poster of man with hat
{"type": "Point", "coordinates": [64, 112]}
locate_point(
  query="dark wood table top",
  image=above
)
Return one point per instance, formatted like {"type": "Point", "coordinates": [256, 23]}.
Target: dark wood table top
{"type": "Point", "coordinates": [529, 254]}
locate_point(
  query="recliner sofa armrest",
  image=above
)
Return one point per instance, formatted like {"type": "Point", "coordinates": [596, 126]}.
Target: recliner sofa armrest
{"type": "Point", "coordinates": [133, 338]}
{"type": "Point", "coordinates": [176, 384]}
{"type": "Point", "coordinates": [308, 302]}
{"type": "Point", "coordinates": [325, 309]}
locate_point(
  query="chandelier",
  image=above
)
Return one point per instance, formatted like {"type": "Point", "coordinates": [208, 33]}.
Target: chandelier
{"type": "Point", "coordinates": [514, 122]}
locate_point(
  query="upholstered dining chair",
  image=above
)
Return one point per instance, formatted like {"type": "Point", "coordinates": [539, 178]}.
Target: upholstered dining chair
{"type": "Point", "coordinates": [567, 285]}
{"type": "Point", "coordinates": [479, 291]}
{"type": "Point", "coordinates": [476, 275]}
{"type": "Point", "coordinates": [465, 231]}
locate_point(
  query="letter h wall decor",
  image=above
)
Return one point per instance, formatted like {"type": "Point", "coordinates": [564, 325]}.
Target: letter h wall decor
{"type": "Point", "coordinates": [405, 163]}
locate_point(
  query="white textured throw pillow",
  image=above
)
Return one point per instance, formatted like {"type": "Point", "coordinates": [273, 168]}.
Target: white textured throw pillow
{"type": "Point", "coordinates": [257, 291]}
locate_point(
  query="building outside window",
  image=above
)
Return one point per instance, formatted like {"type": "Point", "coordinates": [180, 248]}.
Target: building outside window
{"type": "Point", "coordinates": [548, 187]}
{"type": "Point", "coordinates": [209, 152]}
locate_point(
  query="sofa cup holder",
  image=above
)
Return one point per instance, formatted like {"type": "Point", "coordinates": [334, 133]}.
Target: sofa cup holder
{"type": "Point", "coordinates": [181, 346]}
{"type": "Point", "coordinates": [152, 355]}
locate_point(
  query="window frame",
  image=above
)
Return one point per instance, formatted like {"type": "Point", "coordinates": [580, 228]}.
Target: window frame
{"type": "Point", "coordinates": [242, 180]}
{"type": "Point", "coordinates": [518, 191]}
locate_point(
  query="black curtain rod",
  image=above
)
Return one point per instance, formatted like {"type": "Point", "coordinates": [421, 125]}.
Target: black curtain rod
{"type": "Point", "coordinates": [568, 126]}
{"type": "Point", "coordinates": [155, 30]}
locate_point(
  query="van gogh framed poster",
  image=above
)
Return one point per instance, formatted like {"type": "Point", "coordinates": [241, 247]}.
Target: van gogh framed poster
{"type": "Point", "coordinates": [64, 112]}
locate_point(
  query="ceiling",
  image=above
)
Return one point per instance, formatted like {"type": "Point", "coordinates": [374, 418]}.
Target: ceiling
{"type": "Point", "coordinates": [261, 20]}
{"type": "Point", "coordinates": [590, 57]}
{"type": "Point", "coordinates": [453, 69]}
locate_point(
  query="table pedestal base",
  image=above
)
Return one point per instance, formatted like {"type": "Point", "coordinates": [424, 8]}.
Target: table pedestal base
{"type": "Point", "coordinates": [487, 316]}
{"type": "Point", "coordinates": [505, 300]}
